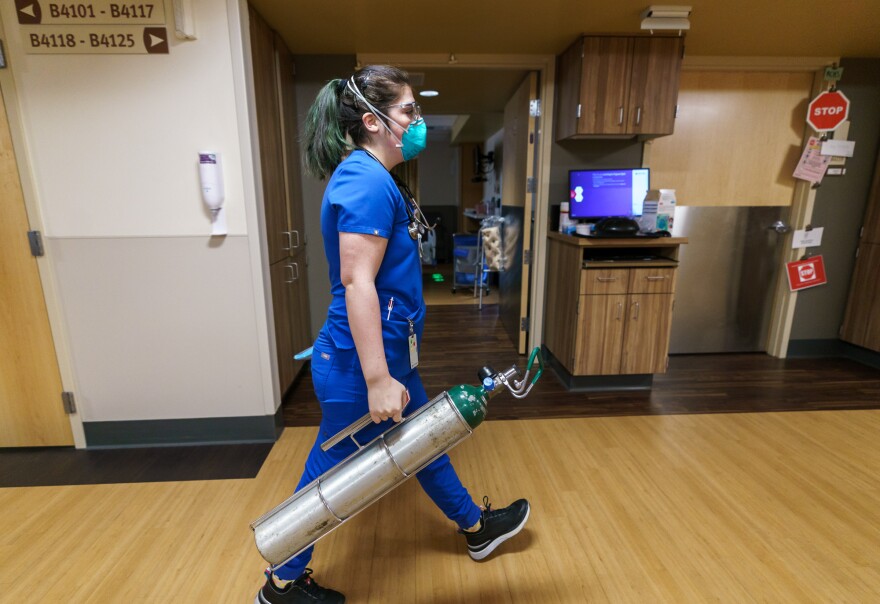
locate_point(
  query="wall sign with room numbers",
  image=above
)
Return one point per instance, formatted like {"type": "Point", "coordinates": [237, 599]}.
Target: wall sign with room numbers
{"type": "Point", "coordinates": [92, 27]}
{"type": "Point", "coordinates": [90, 12]}
{"type": "Point", "coordinates": [99, 39]}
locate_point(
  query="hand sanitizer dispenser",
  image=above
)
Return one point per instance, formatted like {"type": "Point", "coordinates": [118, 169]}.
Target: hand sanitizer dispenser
{"type": "Point", "coordinates": [211, 177]}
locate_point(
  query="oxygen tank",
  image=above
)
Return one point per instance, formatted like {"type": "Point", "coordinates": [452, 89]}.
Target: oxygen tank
{"type": "Point", "coordinates": [381, 465]}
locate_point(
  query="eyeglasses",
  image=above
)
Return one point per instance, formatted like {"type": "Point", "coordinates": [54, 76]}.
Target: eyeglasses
{"type": "Point", "coordinates": [412, 109]}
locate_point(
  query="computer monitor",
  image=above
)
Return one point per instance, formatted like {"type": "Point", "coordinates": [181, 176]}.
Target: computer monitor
{"type": "Point", "coordinates": [604, 193]}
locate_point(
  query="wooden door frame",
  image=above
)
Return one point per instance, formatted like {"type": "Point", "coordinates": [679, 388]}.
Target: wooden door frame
{"type": "Point", "coordinates": [803, 198]}
{"type": "Point", "coordinates": [545, 65]}
{"type": "Point", "coordinates": [45, 266]}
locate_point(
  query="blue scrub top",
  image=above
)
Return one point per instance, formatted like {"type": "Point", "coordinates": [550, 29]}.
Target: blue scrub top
{"type": "Point", "coordinates": [361, 197]}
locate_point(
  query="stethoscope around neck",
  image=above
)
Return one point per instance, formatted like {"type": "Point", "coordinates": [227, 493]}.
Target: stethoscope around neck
{"type": "Point", "coordinates": [418, 225]}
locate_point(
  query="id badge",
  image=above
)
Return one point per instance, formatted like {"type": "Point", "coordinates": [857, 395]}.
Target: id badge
{"type": "Point", "coordinates": [413, 351]}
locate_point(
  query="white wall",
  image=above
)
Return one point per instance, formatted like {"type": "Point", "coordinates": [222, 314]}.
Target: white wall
{"type": "Point", "coordinates": [438, 171]}
{"type": "Point", "coordinates": [162, 320]}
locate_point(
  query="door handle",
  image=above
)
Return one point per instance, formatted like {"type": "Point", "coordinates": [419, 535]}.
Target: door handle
{"type": "Point", "coordinates": [289, 233]}
{"type": "Point", "coordinates": [620, 116]}
{"type": "Point", "coordinates": [289, 241]}
{"type": "Point", "coordinates": [638, 115]}
{"type": "Point", "coordinates": [636, 315]}
{"type": "Point", "coordinates": [661, 278]}
{"type": "Point", "coordinates": [606, 279]}
{"type": "Point", "coordinates": [294, 272]}
{"type": "Point", "coordinates": [780, 227]}
{"type": "Point", "coordinates": [619, 310]}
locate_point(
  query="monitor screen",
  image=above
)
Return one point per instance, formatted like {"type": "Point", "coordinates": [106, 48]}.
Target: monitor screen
{"type": "Point", "coordinates": [603, 193]}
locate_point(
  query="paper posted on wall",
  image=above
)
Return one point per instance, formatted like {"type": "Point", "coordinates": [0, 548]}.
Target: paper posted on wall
{"type": "Point", "coordinates": [812, 164]}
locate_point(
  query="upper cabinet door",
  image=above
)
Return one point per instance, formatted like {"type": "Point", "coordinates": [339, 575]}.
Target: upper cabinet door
{"type": "Point", "coordinates": [270, 140]}
{"type": "Point", "coordinates": [604, 85]}
{"type": "Point", "coordinates": [618, 85]}
{"type": "Point", "coordinates": [653, 89]}
{"type": "Point", "coordinates": [290, 135]}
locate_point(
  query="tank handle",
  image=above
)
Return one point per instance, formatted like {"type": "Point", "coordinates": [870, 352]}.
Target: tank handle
{"type": "Point", "coordinates": [348, 432]}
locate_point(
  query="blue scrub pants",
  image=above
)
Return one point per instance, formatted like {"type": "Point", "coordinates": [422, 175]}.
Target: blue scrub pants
{"type": "Point", "coordinates": [342, 392]}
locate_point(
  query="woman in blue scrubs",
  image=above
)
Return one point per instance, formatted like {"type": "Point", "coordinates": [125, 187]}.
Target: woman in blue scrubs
{"type": "Point", "coordinates": [365, 357]}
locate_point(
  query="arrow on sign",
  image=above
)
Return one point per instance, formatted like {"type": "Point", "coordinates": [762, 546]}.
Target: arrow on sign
{"type": "Point", "coordinates": [29, 12]}
{"type": "Point", "coordinates": [156, 40]}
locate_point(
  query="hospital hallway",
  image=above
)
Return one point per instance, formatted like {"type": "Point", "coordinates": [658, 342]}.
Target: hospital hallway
{"type": "Point", "coordinates": [460, 339]}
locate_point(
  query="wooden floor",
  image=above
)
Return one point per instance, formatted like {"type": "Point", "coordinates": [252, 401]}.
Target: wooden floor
{"type": "Point", "coordinates": [460, 339]}
{"type": "Point", "coordinates": [670, 497]}
{"type": "Point", "coordinates": [437, 291]}
{"type": "Point", "coordinates": [769, 507]}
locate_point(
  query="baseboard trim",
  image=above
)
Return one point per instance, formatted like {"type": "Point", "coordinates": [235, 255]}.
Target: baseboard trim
{"type": "Point", "coordinates": [833, 348]}
{"type": "Point", "coordinates": [191, 431]}
{"type": "Point", "coordinates": [596, 383]}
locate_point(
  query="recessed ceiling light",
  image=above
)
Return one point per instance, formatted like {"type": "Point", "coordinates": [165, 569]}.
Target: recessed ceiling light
{"type": "Point", "coordinates": [429, 93]}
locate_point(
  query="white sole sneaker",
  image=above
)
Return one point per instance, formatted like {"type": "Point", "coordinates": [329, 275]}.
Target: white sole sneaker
{"type": "Point", "coordinates": [493, 545]}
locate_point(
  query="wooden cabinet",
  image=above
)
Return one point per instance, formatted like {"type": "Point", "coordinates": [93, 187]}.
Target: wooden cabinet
{"type": "Point", "coordinates": [618, 86]}
{"type": "Point", "coordinates": [861, 322]}
{"type": "Point", "coordinates": [268, 112]}
{"type": "Point", "coordinates": [607, 318]}
{"type": "Point", "coordinates": [624, 320]}
{"type": "Point", "coordinates": [646, 339]}
{"type": "Point", "coordinates": [290, 294]}
{"type": "Point", "coordinates": [274, 95]}
{"type": "Point", "coordinates": [600, 330]}
{"type": "Point", "coordinates": [871, 224]}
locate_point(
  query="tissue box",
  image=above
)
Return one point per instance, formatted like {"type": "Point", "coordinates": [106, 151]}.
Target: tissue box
{"type": "Point", "coordinates": [658, 212]}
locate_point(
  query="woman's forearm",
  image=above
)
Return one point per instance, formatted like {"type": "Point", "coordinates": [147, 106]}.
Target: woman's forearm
{"type": "Point", "coordinates": [364, 318]}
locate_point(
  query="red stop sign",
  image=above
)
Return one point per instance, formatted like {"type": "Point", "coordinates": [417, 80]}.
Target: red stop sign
{"type": "Point", "coordinates": [827, 111]}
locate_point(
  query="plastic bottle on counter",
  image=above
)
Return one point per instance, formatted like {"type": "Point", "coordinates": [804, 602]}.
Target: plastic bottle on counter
{"type": "Point", "coordinates": [564, 219]}
{"type": "Point", "coordinates": [566, 224]}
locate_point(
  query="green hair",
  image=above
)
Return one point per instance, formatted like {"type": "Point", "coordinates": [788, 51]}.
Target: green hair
{"type": "Point", "coordinates": [323, 135]}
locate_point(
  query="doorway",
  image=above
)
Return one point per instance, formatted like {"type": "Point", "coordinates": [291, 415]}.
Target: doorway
{"type": "Point", "coordinates": [516, 189]}
{"type": "Point", "coordinates": [460, 179]}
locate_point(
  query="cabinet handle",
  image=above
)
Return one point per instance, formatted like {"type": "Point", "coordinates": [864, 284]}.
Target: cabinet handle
{"type": "Point", "coordinates": [297, 238]}
{"type": "Point", "coordinates": [289, 241]}
{"type": "Point", "coordinates": [656, 278]}
{"type": "Point", "coordinates": [294, 272]}
{"type": "Point", "coordinates": [606, 279]}
{"type": "Point", "coordinates": [619, 310]}
{"type": "Point", "coordinates": [620, 116]}
{"type": "Point", "coordinates": [636, 316]}
{"type": "Point", "coordinates": [638, 115]}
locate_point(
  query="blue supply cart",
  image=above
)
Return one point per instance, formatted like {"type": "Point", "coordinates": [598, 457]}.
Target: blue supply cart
{"type": "Point", "coordinates": [467, 259]}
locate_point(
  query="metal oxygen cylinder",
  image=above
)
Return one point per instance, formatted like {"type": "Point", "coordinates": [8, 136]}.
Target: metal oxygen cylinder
{"type": "Point", "coordinates": [381, 465]}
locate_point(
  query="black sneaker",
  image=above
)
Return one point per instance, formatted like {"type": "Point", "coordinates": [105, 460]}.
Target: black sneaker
{"type": "Point", "coordinates": [496, 527]}
{"type": "Point", "coordinates": [303, 590]}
